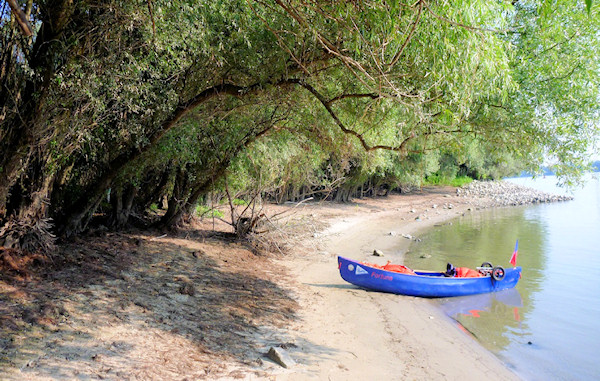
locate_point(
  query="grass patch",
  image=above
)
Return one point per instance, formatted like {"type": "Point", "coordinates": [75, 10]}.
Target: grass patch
{"type": "Point", "coordinates": [436, 179]}
{"type": "Point", "coordinates": [460, 181]}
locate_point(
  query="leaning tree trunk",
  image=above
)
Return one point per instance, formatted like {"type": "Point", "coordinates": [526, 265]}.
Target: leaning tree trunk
{"type": "Point", "coordinates": [177, 209]}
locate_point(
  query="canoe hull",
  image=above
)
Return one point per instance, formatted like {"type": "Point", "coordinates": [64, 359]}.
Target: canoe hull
{"type": "Point", "coordinates": [424, 284]}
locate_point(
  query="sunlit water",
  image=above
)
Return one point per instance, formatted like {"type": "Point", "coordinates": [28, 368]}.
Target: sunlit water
{"type": "Point", "coordinates": [549, 327]}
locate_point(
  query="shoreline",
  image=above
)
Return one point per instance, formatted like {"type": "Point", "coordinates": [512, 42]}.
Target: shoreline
{"type": "Point", "coordinates": [370, 334]}
{"type": "Point", "coordinates": [199, 303]}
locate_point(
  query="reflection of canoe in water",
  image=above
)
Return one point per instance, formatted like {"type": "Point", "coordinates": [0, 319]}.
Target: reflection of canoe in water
{"type": "Point", "coordinates": [481, 302]}
{"type": "Point", "coordinates": [423, 283]}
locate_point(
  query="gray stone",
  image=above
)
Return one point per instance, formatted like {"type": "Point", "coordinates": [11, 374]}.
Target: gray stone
{"type": "Point", "coordinates": [281, 357]}
{"type": "Point", "coordinates": [378, 253]}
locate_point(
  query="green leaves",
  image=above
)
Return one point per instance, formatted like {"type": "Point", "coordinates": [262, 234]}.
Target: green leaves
{"type": "Point", "coordinates": [588, 6]}
{"type": "Point", "coordinates": [484, 85]}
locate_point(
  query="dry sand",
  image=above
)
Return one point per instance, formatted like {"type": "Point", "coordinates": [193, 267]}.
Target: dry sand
{"type": "Point", "coordinates": [146, 306]}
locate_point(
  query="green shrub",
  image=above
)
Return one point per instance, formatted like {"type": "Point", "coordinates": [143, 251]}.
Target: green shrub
{"type": "Point", "coordinates": [204, 211]}
{"type": "Point", "coordinates": [239, 202]}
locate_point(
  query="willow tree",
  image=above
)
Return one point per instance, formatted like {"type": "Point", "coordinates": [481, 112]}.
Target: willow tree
{"type": "Point", "coordinates": [105, 96]}
{"type": "Point", "coordinates": [557, 69]}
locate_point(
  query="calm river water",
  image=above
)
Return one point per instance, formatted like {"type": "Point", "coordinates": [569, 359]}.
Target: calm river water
{"type": "Point", "coordinates": [549, 326]}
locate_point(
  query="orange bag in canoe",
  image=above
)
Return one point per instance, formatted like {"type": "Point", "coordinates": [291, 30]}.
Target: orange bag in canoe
{"type": "Point", "coordinates": [465, 272]}
{"type": "Point", "coordinates": [391, 267]}
{"type": "Point", "coordinates": [398, 269]}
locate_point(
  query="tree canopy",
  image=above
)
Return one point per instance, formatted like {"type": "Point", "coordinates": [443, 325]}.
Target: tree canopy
{"type": "Point", "coordinates": [107, 107]}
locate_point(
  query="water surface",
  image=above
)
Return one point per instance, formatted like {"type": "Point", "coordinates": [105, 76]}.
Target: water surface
{"type": "Point", "coordinates": [549, 327]}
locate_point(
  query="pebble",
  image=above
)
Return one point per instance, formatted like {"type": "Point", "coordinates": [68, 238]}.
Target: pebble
{"type": "Point", "coordinates": [378, 253]}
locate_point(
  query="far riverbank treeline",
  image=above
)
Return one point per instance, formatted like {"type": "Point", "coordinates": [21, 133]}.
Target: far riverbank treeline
{"type": "Point", "coordinates": [109, 109]}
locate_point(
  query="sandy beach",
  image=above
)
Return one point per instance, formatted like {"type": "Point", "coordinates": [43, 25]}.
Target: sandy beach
{"type": "Point", "coordinates": [202, 305]}
{"type": "Point", "coordinates": [357, 334]}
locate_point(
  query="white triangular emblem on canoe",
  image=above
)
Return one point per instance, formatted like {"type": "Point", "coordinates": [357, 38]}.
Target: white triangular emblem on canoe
{"type": "Point", "coordinates": [360, 271]}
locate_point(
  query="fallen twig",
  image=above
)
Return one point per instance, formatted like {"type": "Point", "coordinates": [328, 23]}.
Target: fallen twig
{"type": "Point", "coordinates": [159, 237]}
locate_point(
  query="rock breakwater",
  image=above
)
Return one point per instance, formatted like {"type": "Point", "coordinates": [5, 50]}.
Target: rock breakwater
{"type": "Point", "coordinates": [503, 193]}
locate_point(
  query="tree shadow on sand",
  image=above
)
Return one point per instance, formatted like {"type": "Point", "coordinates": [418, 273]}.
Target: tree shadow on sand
{"type": "Point", "coordinates": [132, 306]}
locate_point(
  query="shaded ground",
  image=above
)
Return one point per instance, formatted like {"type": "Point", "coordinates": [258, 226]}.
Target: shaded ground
{"type": "Point", "coordinates": [129, 306]}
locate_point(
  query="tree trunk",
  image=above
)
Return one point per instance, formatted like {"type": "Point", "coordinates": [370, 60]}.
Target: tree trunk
{"type": "Point", "coordinates": [128, 197]}
{"type": "Point", "coordinates": [151, 194]}
{"type": "Point", "coordinates": [121, 199]}
{"type": "Point", "coordinates": [26, 128]}
{"type": "Point", "coordinates": [177, 201]}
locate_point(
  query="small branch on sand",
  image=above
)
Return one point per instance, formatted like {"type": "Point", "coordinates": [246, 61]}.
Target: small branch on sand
{"type": "Point", "coordinates": [159, 237]}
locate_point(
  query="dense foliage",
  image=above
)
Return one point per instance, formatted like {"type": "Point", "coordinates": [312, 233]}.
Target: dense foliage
{"type": "Point", "coordinates": [108, 107]}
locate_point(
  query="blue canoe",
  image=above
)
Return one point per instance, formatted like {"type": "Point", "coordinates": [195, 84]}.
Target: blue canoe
{"type": "Point", "coordinates": [425, 284]}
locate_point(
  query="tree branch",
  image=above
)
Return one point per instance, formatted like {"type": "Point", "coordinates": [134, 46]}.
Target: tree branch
{"type": "Point", "coordinates": [281, 42]}
{"type": "Point", "coordinates": [345, 96]}
{"type": "Point", "coordinates": [21, 18]}
{"type": "Point", "coordinates": [409, 37]}
{"type": "Point", "coordinates": [152, 18]}
{"type": "Point", "coordinates": [562, 76]}
{"type": "Point", "coordinates": [400, 148]}
{"type": "Point", "coordinates": [468, 27]}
